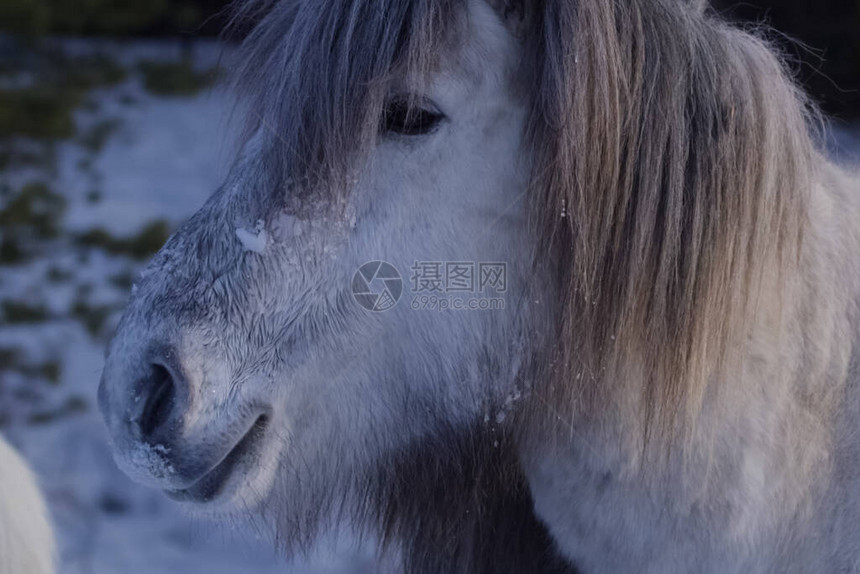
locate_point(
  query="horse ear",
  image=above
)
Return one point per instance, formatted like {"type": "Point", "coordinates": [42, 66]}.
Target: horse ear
{"type": "Point", "coordinates": [512, 12]}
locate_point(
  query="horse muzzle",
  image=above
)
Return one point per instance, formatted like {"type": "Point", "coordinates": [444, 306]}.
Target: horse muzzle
{"type": "Point", "coordinates": [163, 433]}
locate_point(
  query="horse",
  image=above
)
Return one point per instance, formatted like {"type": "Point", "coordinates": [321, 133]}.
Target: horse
{"type": "Point", "coordinates": [26, 537]}
{"type": "Point", "coordinates": [672, 382]}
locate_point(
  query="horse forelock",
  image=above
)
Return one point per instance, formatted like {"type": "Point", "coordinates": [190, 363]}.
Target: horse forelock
{"type": "Point", "coordinates": [315, 74]}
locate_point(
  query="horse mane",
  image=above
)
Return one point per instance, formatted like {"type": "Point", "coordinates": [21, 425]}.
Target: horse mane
{"type": "Point", "coordinates": [681, 151]}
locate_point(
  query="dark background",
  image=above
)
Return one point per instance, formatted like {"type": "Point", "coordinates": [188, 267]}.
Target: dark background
{"type": "Point", "coordinates": [821, 39]}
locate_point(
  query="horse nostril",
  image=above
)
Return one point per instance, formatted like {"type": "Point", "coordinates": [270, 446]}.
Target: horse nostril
{"type": "Point", "coordinates": [160, 403]}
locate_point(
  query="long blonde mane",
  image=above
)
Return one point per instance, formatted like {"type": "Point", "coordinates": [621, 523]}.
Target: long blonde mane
{"type": "Point", "coordinates": [681, 151]}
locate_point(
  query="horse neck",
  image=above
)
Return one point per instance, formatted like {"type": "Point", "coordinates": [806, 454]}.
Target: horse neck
{"type": "Point", "coordinates": [771, 444]}
{"type": "Point", "coordinates": [781, 399]}
{"type": "Point", "coordinates": [825, 323]}
{"type": "Point", "coordinates": [821, 320]}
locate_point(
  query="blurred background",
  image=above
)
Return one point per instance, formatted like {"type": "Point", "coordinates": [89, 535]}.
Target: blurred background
{"type": "Point", "coordinates": [113, 129]}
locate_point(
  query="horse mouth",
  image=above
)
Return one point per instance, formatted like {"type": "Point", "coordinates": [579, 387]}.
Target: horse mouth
{"type": "Point", "coordinates": [213, 484]}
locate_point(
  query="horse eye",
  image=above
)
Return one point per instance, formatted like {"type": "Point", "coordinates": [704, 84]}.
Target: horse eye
{"type": "Point", "coordinates": [403, 117]}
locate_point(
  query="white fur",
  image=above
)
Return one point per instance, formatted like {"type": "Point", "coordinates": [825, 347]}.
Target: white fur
{"type": "Point", "coordinates": [26, 539]}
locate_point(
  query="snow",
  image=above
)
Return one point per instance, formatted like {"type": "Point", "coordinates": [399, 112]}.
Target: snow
{"type": "Point", "coordinates": [152, 457]}
{"type": "Point", "coordinates": [168, 152]}
{"type": "Point", "coordinates": [256, 241]}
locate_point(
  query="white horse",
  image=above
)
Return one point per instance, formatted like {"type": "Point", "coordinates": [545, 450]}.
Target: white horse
{"type": "Point", "coordinates": [672, 385]}
{"type": "Point", "coordinates": [26, 539]}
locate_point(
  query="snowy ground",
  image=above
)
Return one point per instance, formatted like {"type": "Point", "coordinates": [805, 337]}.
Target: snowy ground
{"type": "Point", "coordinates": [162, 158]}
